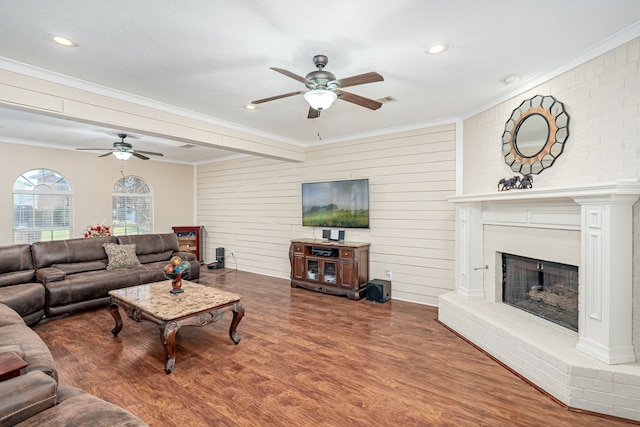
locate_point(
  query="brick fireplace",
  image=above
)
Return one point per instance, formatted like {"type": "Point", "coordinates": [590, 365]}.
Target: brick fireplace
{"type": "Point", "coordinates": [589, 227]}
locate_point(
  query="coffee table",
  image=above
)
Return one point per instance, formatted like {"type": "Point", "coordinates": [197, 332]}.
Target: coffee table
{"type": "Point", "coordinates": [198, 305]}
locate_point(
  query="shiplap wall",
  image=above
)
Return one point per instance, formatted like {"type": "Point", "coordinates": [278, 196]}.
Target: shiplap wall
{"type": "Point", "coordinates": [252, 206]}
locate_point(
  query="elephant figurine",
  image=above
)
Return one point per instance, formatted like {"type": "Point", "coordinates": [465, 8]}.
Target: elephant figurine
{"type": "Point", "coordinates": [526, 182]}
{"type": "Point", "coordinates": [508, 183]}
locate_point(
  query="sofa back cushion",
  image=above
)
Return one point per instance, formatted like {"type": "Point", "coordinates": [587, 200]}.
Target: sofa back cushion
{"type": "Point", "coordinates": [16, 265]}
{"type": "Point", "coordinates": [81, 267]}
{"type": "Point", "coordinates": [152, 247]}
{"type": "Point", "coordinates": [45, 254]}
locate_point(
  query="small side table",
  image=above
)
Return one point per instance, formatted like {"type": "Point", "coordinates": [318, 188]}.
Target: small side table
{"type": "Point", "coordinates": [10, 365]}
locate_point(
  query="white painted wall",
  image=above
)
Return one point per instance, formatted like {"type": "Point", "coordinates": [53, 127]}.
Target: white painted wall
{"type": "Point", "coordinates": [92, 181]}
{"type": "Point", "coordinates": [602, 98]}
{"type": "Point", "coordinates": [253, 207]}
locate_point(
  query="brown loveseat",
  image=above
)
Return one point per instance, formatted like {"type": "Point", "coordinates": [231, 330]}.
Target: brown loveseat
{"type": "Point", "coordinates": [66, 276]}
{"type": "Point", "coordinates": [35, 398]}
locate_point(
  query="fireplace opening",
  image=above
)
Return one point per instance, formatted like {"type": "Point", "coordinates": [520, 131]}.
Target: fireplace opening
{"type": "Point", "coordinates": [546, 289]}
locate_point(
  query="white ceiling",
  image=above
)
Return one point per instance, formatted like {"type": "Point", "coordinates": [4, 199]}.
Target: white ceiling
{"type": "Point", "coordinates": [212, 57]}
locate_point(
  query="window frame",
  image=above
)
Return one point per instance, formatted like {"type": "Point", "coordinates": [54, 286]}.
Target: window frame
{"type": "Point", "coordinates": [131, 196]}
{"type": "Point", "coordinates": [43, 192]}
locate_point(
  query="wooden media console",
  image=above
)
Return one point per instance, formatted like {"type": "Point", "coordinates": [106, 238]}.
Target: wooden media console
{"type": "Point", "coordinates": [338, 268]}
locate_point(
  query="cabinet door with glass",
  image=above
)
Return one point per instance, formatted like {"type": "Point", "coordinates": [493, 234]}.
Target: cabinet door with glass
{"type": "Point", "coordinates": [330, 272]}
{"type": "Point", "coordinates": [322, 271]}
{"type": "Point", "coordinates": [312, 270]}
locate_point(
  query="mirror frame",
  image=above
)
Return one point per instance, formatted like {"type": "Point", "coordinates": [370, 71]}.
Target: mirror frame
{"type": "Point", "coordinates": [558, 132]}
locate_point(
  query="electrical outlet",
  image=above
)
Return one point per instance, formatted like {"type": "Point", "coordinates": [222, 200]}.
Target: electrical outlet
{"type": "Point", "coordinates": [232, 253]}
{"type": "Point", "coordinates": [389, 274]}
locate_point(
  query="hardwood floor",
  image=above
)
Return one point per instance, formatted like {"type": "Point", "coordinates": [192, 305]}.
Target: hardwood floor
{"type": "Point", "coordinates": [305, 359]}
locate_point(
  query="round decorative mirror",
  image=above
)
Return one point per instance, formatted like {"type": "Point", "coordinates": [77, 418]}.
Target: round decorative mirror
{"type": "Point", "coordinates": [535, 134]}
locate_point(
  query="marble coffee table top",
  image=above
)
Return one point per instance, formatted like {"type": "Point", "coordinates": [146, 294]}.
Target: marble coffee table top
{"type": "Point", "coordinates": [155, 299]}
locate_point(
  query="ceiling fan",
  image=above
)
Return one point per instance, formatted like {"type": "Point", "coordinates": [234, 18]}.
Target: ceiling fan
{"type": "Point", "coordinates": [324, 88]}
{"type": "Point", "coordinates": [123, 150]}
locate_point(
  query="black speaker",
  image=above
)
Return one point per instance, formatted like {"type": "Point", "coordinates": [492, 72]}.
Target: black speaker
{"type": "Point", "coordinates": [378, 290]}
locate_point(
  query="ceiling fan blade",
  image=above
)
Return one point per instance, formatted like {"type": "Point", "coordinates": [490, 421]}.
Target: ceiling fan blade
{"type": "Point", "coordinates": [359, 100]}
{"type": "Point", "coordinates": [105, 154]}
{"type": "Point", "coordinates": [361, 79]}
{"type": "Point", "coordinates": [150, 153]}
{"type": "Point", "coordinates": [272, 98]}
{"type": "Point", "coordinates": [140, 156]}
{"type": "Point", "coordinates": [313, 113]}
{"type": "Point", "coordinates": [93, 149]}
{"type": "Point", "coordinates": [290, 74]}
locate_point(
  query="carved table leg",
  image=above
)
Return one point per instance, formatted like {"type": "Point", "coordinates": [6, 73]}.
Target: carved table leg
{"type": "Point", "coordinates": [238, 314]}
{"type": "Point", "coordinates": [115, 313]}
{"type": "Point", "coordinates": [168, 337]}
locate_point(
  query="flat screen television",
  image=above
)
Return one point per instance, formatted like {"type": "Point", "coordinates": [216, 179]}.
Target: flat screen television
{"type": "Point", "coordinates": [340, 204]}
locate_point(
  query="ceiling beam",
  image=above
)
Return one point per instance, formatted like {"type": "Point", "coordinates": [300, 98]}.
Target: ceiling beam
{"type": "Point", "coordinates": [40, 96]}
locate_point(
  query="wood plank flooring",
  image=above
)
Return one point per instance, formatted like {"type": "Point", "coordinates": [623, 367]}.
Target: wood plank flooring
{"type": "Point", "coordinates": [305, 359]}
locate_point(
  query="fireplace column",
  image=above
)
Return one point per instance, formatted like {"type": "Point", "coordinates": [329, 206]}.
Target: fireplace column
{"type": "Point", "coordinates": [469, 251]}
{"type": "Point", "coordinates": [606, 277]}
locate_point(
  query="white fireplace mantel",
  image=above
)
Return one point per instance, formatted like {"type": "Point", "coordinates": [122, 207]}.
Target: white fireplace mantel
{"type": "Point", "coordinates": [603, 214]}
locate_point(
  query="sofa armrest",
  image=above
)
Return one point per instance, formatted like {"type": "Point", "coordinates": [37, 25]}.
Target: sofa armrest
{"type": "Point", "coordinates": [50, 274]}
{"type": "Point", "coordinates": [26, 395]}
{"type": "Point", "coordinates": [186, 256]}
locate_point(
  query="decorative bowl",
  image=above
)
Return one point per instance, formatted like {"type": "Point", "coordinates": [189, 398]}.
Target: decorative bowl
{"type": "Point", "coordinates": [176, 280]}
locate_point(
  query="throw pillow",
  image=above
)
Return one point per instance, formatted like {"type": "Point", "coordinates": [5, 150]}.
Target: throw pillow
{"type": "Point", "coordinates": [121, 256]}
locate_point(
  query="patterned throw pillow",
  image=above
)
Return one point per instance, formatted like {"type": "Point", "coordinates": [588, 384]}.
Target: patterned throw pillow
{"type": "Point", "coordinates": [121, 256]}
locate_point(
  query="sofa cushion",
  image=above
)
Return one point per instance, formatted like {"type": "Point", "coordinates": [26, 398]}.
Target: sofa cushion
{"type": "Point", "coordinates": [78, 408]}
{"type": "Point", "coordinates": [16, 265]}
{"type": "Point", "coordinates": [121, 256]}
{"type": "Point", "coordinates": [80, 267]}
{"type": "Point", "coordinates": [156, 257]}
{"type": "Point", "coordinates": [87, 286]}
{"type": "Point", "coordinates": [45, 254]}
{"type": "Point", "coordinates": [26, 396]}
{"type": "Point", "coordinates": [151, 243]}
{"type": "Point", "coordinates": [27, 299]}
{"type": "Point", "coordinates": [17, 277]}
{"type": "Point", "coordinates": [15, 258]}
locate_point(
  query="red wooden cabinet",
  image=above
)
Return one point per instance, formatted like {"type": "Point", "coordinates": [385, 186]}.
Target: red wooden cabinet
{"type": "Point", "coordinates": [190, 240]}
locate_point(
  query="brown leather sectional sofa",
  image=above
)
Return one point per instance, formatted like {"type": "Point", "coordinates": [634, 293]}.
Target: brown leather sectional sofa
{"type": "Point", "coordinates": [47, 279]}
{"type": "Point", "coordinates": [35, 398]}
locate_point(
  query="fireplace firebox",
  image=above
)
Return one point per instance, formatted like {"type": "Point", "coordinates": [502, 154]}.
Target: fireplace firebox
{"type": "Point", "coordinates": [546, 289]}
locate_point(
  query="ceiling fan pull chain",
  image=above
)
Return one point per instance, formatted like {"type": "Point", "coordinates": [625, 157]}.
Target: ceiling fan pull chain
{"type": "Point", "coordinates": [121, 167]}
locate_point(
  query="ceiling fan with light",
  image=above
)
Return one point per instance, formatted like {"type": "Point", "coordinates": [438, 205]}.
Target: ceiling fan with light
{"type": "Point", "coordinates": [324, 88]}
{"type": "Point", "coordinates": [123, 150]}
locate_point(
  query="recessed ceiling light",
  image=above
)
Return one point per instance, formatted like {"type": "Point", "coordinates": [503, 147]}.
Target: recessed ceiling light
{"type": "Point", "coordinates": [250, 107]}
{"type": "Point", "coordinates": [436, 48]}
{"type": "Point", "coordinates": [64, 41]}
{"type": "Point", "coordinates": [511, 78]}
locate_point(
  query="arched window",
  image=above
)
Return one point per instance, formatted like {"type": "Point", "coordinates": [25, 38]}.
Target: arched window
{"type": "Point", "coordinates": [132, 207]}
{"type": "Point", "coordinates": [42, 207]}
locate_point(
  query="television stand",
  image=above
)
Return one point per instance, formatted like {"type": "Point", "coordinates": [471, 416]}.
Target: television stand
{"type": "Point", "coordinates": [338, 268]}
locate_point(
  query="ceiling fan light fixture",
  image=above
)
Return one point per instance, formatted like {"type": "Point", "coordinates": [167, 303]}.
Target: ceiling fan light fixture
{"type": "Point", "coordinates": [122, 155]}
{"type": "Point", "coordinates": [320, 99]}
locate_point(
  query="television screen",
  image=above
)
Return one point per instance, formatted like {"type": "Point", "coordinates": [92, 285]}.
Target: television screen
{"type": "Point", "coordinates": [342, 204]}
